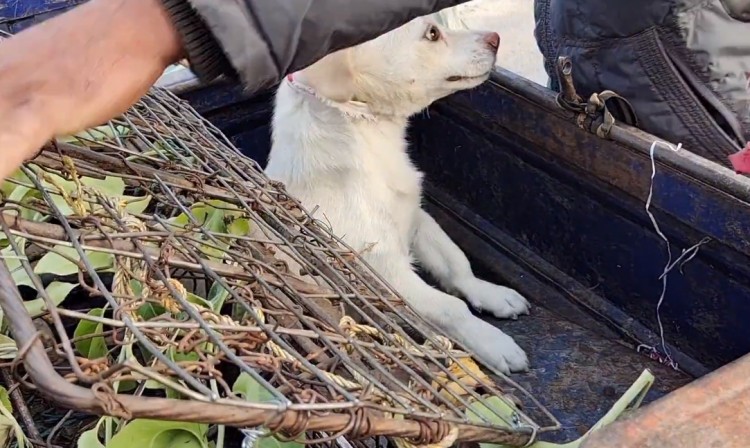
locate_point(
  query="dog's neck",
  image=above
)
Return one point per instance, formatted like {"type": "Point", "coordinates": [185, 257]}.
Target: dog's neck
{"type": "Point", "coordinates": [352, 109]}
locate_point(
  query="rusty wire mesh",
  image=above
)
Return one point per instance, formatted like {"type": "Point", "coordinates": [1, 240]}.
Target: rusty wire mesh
{"type": "Point", "coordinates": [181, 270]}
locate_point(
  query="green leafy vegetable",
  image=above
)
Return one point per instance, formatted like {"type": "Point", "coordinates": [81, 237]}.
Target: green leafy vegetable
{"type": "Point", "coordinates": [94, 347]}
{"type": "Point", "coordinates": [493, 410]}
{"type": "Point", "coordinates": [249, 388]}
{"type": "Point", "coordinates": [90, 439]}
{"type": "Point", "coordinates": [57, 292]}
{"type": "Point", "coordinates": [8, 347]}
{"type": "Point", "coordinates": [217, 295]}
{"type": "Point", "coordinates": [55, 263]}
{"type": "Point", "coordinates": [8, 424]}
{"type": "Point", "coordinates": [160, 434]}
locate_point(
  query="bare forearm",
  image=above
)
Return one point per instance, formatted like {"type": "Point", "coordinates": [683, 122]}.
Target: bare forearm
{"type": "Point", "coordinates": [78, 70]}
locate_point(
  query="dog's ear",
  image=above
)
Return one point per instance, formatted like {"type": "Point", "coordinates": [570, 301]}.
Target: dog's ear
{"type": "Point", "coordinates": [332, 77]}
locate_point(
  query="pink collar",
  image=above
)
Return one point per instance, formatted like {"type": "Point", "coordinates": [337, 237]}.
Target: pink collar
{"type": "Point", "coordinates": [351, 109]}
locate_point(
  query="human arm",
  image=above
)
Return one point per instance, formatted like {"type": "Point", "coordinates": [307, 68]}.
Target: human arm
{"type": "Point", "coordinates": [78, 70]}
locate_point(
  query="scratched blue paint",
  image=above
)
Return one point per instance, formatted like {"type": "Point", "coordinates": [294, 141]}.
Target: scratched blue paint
{"type": "Point", "coordinates": [16, 15]}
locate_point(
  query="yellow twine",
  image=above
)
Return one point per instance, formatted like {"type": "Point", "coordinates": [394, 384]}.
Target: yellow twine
{"type": "Point", "coordinates": [159, 291]}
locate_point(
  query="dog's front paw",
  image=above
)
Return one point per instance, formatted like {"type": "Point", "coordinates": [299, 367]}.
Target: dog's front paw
{"type": "Point", "coordinates": [497, 350]}
{"type": "Point", "coordinates": [498, 300]}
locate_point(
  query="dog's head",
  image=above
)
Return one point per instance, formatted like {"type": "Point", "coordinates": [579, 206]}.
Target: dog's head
{"type": "Point", "coordinates": [405, 70]}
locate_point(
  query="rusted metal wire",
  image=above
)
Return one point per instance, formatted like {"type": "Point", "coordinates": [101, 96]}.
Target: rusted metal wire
{"type": "Point", "coordinates": [205, 271]}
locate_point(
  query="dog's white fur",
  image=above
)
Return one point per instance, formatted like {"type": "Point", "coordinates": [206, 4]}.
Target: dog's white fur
{"type": "Point", "coordinates": [355, 167]}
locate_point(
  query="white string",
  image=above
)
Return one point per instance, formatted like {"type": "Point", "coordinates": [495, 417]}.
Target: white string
{"type": "Point", "coordinates": [686, 255]}
{"type": "Point", "coordinates": [252, 436]}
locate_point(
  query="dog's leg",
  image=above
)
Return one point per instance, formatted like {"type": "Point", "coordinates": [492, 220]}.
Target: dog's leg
{"type": "Point", "coordinates": [442, 258]}
{"type": "Point", "coordinates": [451, 315]}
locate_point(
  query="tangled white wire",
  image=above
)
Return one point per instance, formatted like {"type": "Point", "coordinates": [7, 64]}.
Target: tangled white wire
{"type": "Point", "coordinates": [686, 255]}
{"type": "Point", "coordinates": [252, 435]}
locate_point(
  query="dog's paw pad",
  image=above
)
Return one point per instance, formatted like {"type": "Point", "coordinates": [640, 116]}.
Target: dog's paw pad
{"type": "Point", "coordinates": [497, 300]}
{"type": "Point", "coordinates": [500, 352]}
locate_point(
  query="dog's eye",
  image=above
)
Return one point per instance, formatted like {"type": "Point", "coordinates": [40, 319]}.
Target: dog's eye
{"type": "Point", "coordinates": [432, 34]}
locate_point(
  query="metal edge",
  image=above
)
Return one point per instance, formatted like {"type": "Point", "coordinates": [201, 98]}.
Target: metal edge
{"type": "Point", "coordinates": [689, 164]}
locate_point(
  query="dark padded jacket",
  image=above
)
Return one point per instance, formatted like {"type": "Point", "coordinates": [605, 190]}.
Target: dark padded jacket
{"type": "Point", "coordinates": [684, 65]}
{"type": "Point", "coordinates": [260, 41]}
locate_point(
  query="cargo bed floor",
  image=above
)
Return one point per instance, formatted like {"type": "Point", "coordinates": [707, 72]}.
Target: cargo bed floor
{"type": "Point", "coordinates": [576, 373]}
{"type": "Point", "coordinates": [579, 366]}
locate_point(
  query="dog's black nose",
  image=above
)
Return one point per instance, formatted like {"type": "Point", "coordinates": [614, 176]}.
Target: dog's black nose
{"type": "Point", "coordinates": [492, 40]}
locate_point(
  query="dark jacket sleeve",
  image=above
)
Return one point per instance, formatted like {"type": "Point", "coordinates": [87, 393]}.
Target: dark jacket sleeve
{"type": "Point", "coordinates": [260, 41]}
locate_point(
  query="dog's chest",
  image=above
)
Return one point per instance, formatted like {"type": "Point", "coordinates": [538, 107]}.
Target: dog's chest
{"type": "Point", "coordinates": [390, 178]}
{"type": "Point", "coordinates": [386, 160]}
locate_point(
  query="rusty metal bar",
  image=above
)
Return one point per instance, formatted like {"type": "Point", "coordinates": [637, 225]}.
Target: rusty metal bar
{"type": "Point", "coordinates": [713, 411]}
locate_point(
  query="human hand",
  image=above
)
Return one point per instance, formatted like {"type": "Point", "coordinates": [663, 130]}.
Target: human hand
{"type": "Point", "coordinates": [79, 70]}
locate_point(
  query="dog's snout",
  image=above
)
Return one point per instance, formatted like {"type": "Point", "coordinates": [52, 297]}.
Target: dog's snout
{"type": "Point", "coordinates": [492, 40]}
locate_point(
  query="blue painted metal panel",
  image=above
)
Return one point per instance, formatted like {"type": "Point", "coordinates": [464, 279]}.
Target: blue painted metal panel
{"type": "Point", "coordinates": [16, 15]}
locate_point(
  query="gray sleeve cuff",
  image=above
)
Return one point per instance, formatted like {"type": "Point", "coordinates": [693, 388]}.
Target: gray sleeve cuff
{"type": "Point", "coordinates": [207, 58]}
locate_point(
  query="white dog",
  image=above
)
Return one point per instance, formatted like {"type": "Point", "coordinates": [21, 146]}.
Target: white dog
{"type": "Point", "coordinates": [339, 142]}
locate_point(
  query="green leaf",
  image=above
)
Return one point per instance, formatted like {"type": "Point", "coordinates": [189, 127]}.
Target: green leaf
{"type": "Point", "coordinates": [57, 292]}
{"type": "Point", "coordinates": [13, 263]}
{"type": "Point", "coordinates": [8, 347]}
{"type": "Point", "coordinates": [61, 205]}
{"type": "Point", "coordinates": [95, 347]}
{"type": "Point", "coordinates": [136, 205]}
{"type": "Point", "coordinates": [493, 410]}
{"type": "Point", "coordinates": [8, 187]}
{"type": "Point", "coordinates": [8, 423]}
{"type": "Point", "coordinates": [97, 134]}
{"type": "Point", "coordinates": [126, 354]}
{"type": "Point", "coordinates": [239, 227]}
{"type": "Point", "coordinates": [227, 209]}
{"type": "Point", "coordinates": [217, 295]}
{"type": "Point", "coordinates": [67, 185]}
{"type": "Point", "coordinates": [136, 286]}
{"type": "Point", "coordinates": [5, 399]}
{"type": "Point", "coordinates": [215, 224]}
{"type": "Point", "coordinates": [24, 195]}
{"type": "Point", "coordinates": [149, 311]}
{"type": "Point", "coordinates": [249, 388]}
{"type": "Point", "coordinates": [53, 263]}
{"type": "Point", "coordinates": [179, 438]}
{"type": "Point", "coordinates": [176, 356]}
{"type": "Point", "coordinates": [198, 300]}
{"type": "Point", "coordinates": [20, 193]}
{"type": "Point", "coordinates": [90, 439]}
{"type": "Point", "coordinates": [110, 186]}
{"type": "Point", "coordinates": [160, 434]}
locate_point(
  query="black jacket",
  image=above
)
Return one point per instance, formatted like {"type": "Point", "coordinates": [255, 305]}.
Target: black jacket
{"type": "Point", "coordinates": [684, 65]}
